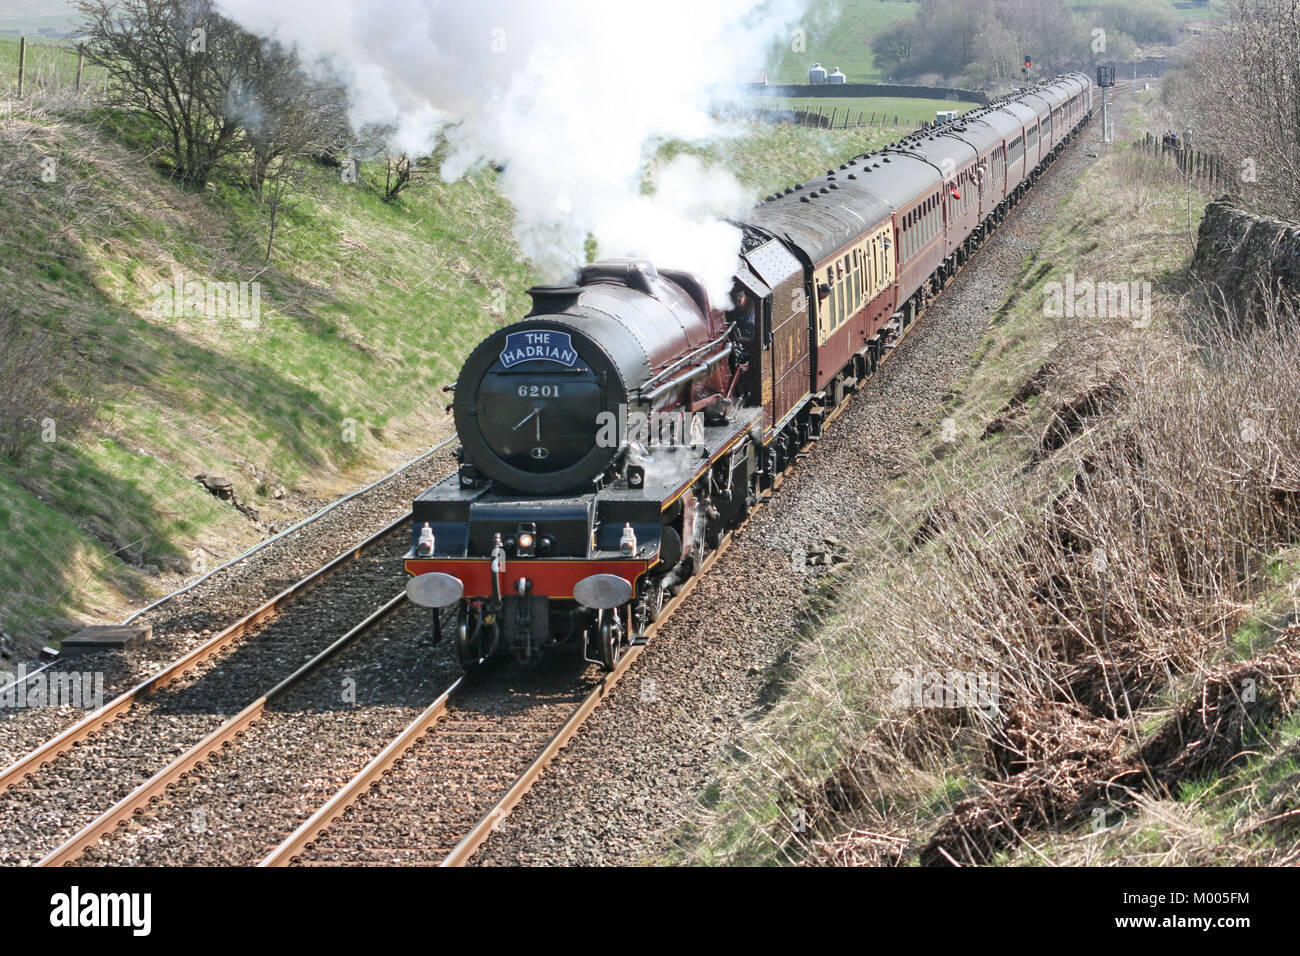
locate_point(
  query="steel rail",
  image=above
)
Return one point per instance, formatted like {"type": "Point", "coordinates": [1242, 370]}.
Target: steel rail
{"type": "Point", "coordinates": [96, 721]}
{"type": "Point", "coordinates": [211, 745]}
{"type": "Point", "coordinates": [342, 802]}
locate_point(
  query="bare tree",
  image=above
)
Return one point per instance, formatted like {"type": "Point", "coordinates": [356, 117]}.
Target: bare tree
{"type": "Point", "coordinates": [285, 114]}
{"type": "Point", "coordinates": [892, 47]}
{"type": "Point", "coordinates": [1240, 96]}
{"type": "Point", "coordinates": [179, 62]}
{"type": "Point", "coordinates": [288, 118]}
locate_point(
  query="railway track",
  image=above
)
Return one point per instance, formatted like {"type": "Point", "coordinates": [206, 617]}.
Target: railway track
{"type": "Point", "coordinates": [471, 756]}
{"type": "Point", "coordinates": [222, 737]}
{"type": "Point", "coordinates": [101, 757]}
{"type": "Point", "coordinates": [187, 619]}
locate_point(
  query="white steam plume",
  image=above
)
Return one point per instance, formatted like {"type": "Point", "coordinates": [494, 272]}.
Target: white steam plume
{"type": "Point", "coordinates": [569, 95]}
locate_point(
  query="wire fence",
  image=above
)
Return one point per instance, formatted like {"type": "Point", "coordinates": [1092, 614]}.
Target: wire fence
{"type": "Point", "coordinates": [29, 66]}
{"type": "Point", "coordinates": [823, 117]}
{"type": "Point", "coordinates": [1193, 163]}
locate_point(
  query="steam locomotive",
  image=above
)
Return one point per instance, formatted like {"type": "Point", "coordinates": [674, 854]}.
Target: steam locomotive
{"type": "Point", "coordinates": [614, 435]}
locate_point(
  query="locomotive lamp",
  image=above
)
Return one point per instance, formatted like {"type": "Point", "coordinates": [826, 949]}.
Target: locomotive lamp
{"type": "Point", "coordinates": [424, 547]}
{"type": "Point", "coordinates": [635, 476]}
{"type": "Point", "coordinates": [627, 544]}
{"type": "Point", "coordinates": [526, 541]}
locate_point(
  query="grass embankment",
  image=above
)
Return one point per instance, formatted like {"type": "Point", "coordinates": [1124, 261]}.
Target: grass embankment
{"type": "Point", "coordinates": [1066, 636]}
{"type": "Point", "coordinates": [366, 310]}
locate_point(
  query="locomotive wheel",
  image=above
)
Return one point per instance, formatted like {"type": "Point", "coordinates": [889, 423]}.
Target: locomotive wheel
{"type": "Point", "coordinates": [476, 643]}
{"type": "Point", "coordinates": [655, 598]}
{"type": "Point", "coordinates": [468, 657]}
{"type": "Point", "coordinates": [610, 649]}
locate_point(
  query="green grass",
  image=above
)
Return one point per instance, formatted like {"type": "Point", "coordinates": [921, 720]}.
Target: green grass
{"type": "Point", "coordinates": [839, 34]}
{"type": "Point", "coordinates": [51, 65]}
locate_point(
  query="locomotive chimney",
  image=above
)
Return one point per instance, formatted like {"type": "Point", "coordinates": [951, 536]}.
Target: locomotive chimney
{"type": "Point", "coordinates": [553, 299]}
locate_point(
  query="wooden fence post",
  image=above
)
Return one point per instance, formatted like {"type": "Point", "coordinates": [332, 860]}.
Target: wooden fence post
{"type": "Point", "coordinates": [81, 58]}
{"type": "Point", "coordinates": [22, 63]}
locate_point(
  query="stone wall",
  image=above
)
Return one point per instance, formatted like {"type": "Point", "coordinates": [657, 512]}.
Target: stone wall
{"type": "Point", "coordinates": [1246, 259]}
{"type": "Point", "coordinates": [833, 90]}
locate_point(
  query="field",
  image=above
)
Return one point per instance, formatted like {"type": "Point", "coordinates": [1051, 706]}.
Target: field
{"type": "Point", "coordinates": [51, 65]}
{"type": "Point", "coordinates": [839, 34]}
{"type": "Point", "coordinates": [29, 16]}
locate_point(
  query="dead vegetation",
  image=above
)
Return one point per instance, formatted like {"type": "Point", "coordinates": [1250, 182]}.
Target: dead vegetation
{"type": "Point", "coordinates": [1107, 607]}
{"type": "Point", "coordinates": [1096, 591]}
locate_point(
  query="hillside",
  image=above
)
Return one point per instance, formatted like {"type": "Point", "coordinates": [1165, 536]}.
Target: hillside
{"type": "Point", "coordinates": [363, 313]}
{"type": "Point", "coordinates": [839, 34]}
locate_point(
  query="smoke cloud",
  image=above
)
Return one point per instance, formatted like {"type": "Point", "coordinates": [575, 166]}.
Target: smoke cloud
{"type": "Point", "coordinates": [571, 96]}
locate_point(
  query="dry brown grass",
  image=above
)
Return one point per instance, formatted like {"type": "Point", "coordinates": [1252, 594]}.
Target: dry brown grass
{"type": "Point", "coordinates": [1095, 609]}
